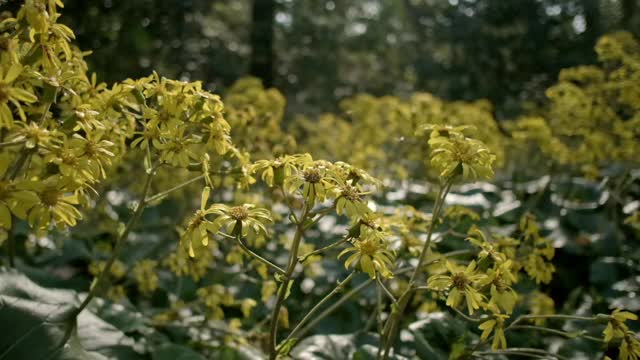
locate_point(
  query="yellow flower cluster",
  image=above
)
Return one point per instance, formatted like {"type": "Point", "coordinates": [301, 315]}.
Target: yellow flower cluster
{"type": "Point", "coordinates": [380, 133]}
{"type": "Point", "coordinates": [255, 115]}
{"type": "Point", "coordinates": [145, 274]}
{"type": "Point", "coordinates": [594, 113]}
{"type": "Point", "coordinates": [617, 330]}
{"type": "Point", "coordinates": [62, 131]}
{"type": "Point", "coordinates": [486, 283]}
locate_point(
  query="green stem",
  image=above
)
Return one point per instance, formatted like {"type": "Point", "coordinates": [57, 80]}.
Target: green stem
{"type": "Point", "coordinates": [451, 254]}
{"type": "Point", "coordinates": [391, 327]}
{"type": "Point", "coordinates": [465, 316]}
{"type": "Point", "coordinates": [286, 278]}
{"type": "Point", "coordinates": [304, 258]}
{"type": "Point", "coordinates": [555, 316]}
{"type": "Point", "coordinates": [557, 332]}
{"type": "Point", "coordinates": [11, 175]}
{"type": "Point", "coordinates": [312, 312]}
{"type": "Point", "coordinates": [434, 219]}
{"type": "Point", "coordinates": [379, 318]}
{"type": "Point", "coordinates": [102, 278]}
{"type": "Point", "coordinates": [258, 257]}
{"type": "Point", "coordinates": [328, 311]}
{"type": "Point", "coordinates": [387, 292]}
{"type": "Point", "coordinates": [162, 194]}
{"type": "Point", "coordinates": [289, 205]}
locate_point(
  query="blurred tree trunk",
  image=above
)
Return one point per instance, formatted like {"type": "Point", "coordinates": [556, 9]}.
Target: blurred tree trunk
{"type": "Point", "coordinates": [413, 14]}
{"type": "Point", "coordinates": [628, 10]}
{"type": "Point", "coordinates": [262, 20]}
{"type": "Point", "coordinates": [592, 20]}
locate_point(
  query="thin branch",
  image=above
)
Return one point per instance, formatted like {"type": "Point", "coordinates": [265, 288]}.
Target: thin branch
{"type": "Point", "coordinates": [312, 312]}
{"type": "Point", "coordinates": [119, 243]}
{"type": "Point", "coordinates": [162, 194]}
{"type": "Point", "coordinates": [275, 267]}
{"type": "Point", "coordinates": [467, 317]}
{"type": "Point", "coordinates": [304, 258]}
{"type": "Point", "coordinates": [558, 332]}
{"type": "Point", "coordinates": [386, 291]}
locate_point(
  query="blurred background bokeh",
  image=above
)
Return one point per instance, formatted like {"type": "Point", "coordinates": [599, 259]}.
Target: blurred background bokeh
{"type": "Point", "coordinates": [318, 52]}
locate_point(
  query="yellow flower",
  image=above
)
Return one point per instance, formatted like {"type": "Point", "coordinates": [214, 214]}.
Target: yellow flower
{"type": "Point", "coordinates": [616, 327]}
{"type": "Point", "coordinates": [246, 306]}
{"type": "Point", "coordinates": [460, 285]}
{"type": "Point", "coordinates": [453, 154]}
{"type": "Point", "coordinates": [57, 202]}
{"type": "Point", "coordinates": [118, 269]}
{"type": "Point", "coordinates": [314, 180]}
{"type": "Point", "coordinates": [146, 277]}
{"type": "Point", "coordinates": [214, 297]}
{"type": "Point", "coordinates": [70, 164]}
{"type": "Point", "coordinates": [541, 304]}
{"type": "Point", "coordinates": [500, 277]}
{"type": "Point", "coordinates": [350, 201]}
{"type": "Point", "coordinates": [179, 149]}
{"type": "Point", "coordinates": [13, 199]}
{"type": "Point", "coordinates": [199, 227]}
{"type": "Point", "coordinates": [244, 220]}
{"type": "Point", "coordinates": [629, 347]}
{"type": "Point", "coordinates": [96, 149]}
{"type": "Point", "coordinates": [633, 220]}
{"type": "Point", "coordinates": [371, 253]}
{"type": "Point", "coordinates": [477, 238]}
{"type": "Point", "coordinates": [495, 326]}
{"type": "Point", "coordinates": [181, 264]}
{"type": "Point", "coordinates": [12, 94]}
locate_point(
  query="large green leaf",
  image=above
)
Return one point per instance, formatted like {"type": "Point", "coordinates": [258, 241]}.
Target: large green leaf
{"type": "Point", "coordinates": [43, 326]}
{"type": "Point", "coordinates": [434, 335]}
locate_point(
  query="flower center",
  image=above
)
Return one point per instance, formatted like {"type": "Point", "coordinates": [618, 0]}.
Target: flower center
{"type": "Point", "coordinates": [312, 176]}
{"type": "Point", "coordinates": [151, 133]}
{"type": "Point", "coordinates": [459, 281]}
{"type": "Point", "coordinates": [68, 158]}
{"type": "Point", "coordinates": [368, 247]}
{"type": "Point", "coordinates": [3, 93]}
{"type": "Point", "coordinates": [499, 284]}
{"type": "Point", "coordinates": [196, 220]}
{"type": "Point", "coordinates": [463, 151]}
{"type": "Point", "coordinates": [50, 197]}
{"type": "Point", "coordinates": [91, 149]}
{"type": "Point", "coordinates": [350, 193]}
{"type": "Point", "coordinates": [239, 213]}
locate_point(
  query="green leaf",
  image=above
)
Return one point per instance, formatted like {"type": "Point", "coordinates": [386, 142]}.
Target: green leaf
{"type": "Point", "coordinates": [38, 330]}
{"type": "Point", "coordinates": [435, 335]}
{"type": "Point", "coordinates": [43, 325]}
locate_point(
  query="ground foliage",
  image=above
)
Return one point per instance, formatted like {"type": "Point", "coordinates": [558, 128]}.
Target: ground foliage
{"type": "Point", "coordinates": [394, 228]}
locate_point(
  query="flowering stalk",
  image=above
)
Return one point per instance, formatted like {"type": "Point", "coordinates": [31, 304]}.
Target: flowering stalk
{"type": "Point", "coordinates": [11, 242]}
{"type": "Point", "coordinates": [102, 278]}
{"type": "Point", "coordinates": [244, 247]}
{"type": "Point", "coordinates": [392, 324]}
{"type": "Point", "coordinates": [313, 311]}
{"type": "Point", "coordinates": [286, 278]}
{"type": "Point", "coordinates": [304, 257]}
